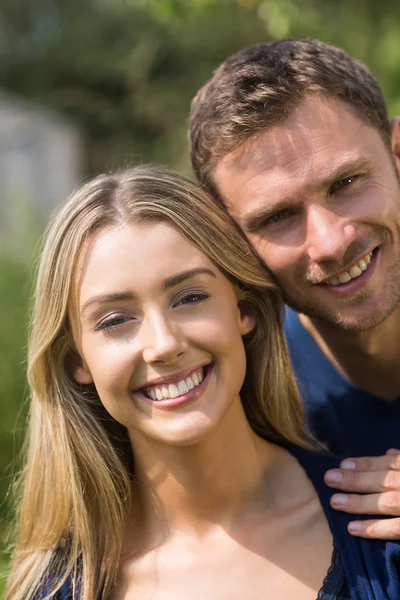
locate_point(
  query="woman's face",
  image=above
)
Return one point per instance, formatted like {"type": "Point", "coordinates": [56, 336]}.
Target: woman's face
{"type": "Point", "coordinates": [159, 332]}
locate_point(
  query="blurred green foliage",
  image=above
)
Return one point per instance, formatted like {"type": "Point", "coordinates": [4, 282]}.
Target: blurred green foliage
{"type": "Point", "coordinates": [125, 71]}
{"type": "Point", "coordinates": [14, 293]}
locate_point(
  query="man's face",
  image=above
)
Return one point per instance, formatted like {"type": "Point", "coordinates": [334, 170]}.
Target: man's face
{"type": "Point", "coordinates": [319, 199]}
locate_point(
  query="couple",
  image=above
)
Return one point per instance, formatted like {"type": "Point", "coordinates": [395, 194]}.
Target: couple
{"type": "Point", "coordinates": [167, 454]}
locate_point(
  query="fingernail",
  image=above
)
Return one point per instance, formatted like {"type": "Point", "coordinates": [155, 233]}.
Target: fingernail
{"type": "Point", "coordinates": [333, 476]}
{"type": "Point", "coordinates": [354, 526]}
{"type": "Point", "coordinates": [348, 464]}
{"type": "Point", "coordinates": [339, 499]}
{"type": "Point", "coordinates": [393, 451]}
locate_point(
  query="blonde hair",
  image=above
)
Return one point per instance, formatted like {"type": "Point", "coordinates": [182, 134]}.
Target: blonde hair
{"type": "Point", "coordinates": [76, 483]}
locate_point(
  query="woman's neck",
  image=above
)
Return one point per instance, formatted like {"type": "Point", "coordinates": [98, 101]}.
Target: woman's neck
{"type": "Point", "coordinates": [202, 484]}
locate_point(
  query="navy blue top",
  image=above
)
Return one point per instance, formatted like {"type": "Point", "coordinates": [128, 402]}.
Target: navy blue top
{"type": "Point", "coordinates": [371, 567]}
{"type": "Point", "coordinates": [349, 421]}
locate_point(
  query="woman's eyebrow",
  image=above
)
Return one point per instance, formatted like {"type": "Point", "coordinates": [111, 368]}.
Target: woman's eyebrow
{"type": "Point", "coordinates": [107, 298]}
{"type": "Point", "coordinates": [166, 284]}
{"type": "Point", "coordinates": [180, 277]}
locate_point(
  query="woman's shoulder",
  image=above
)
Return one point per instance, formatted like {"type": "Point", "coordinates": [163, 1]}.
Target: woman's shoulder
{"type": "Point", "coordinates": [315, 463]}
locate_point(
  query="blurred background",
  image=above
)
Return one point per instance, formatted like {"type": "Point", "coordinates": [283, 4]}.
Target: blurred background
{"type": "Point", "coordinates": [93, 85]}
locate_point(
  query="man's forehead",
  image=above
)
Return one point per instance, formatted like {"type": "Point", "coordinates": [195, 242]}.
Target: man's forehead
{"type": "Point", "coordinates": [314, 124]}
{"type": "Point", "coordinates": [317, 141]}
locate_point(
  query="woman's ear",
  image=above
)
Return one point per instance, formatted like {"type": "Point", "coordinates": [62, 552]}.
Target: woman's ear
{"type": "Point", "coordinates": [79, 369]}
{"type": "Point", "coordinates": [247, 319]}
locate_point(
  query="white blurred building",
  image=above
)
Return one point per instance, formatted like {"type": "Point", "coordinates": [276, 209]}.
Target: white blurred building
{"type": "Point", "coordinates": [40, 163]}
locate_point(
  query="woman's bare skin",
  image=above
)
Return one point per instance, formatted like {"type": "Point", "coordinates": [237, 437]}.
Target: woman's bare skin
{"type": "Point", "coordinates": [277, 546]}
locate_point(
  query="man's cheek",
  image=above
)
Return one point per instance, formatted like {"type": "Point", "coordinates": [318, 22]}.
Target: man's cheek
{"type": "Point", "coordinates": [289, 278]}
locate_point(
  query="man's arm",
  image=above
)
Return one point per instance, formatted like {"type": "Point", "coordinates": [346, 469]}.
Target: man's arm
{"type": "Point", "coordinates": [374, 486]}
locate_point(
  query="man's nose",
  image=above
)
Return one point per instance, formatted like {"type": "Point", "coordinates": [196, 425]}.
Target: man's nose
{"type": "Point", "coordinates": [162, 340]}
{"type": "Point", "coordinates": [328, 235]}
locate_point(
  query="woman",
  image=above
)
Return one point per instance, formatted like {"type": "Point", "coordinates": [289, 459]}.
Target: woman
{"type": "Point", "coordinates": [166, 452]}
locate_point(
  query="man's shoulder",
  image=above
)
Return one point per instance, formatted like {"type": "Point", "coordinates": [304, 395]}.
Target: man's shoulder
{"type": "Point", "coordinates": [314, 373]}
{"type": "Point", "coordinates": [297, 337]}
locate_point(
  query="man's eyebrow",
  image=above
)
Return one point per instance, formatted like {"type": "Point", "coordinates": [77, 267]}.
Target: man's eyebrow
{"type": "Point", "coordinates": [257, 216]}
{"type": "Point", "coordinates": [346, 169]}
{"type": "Point", "coordinates": [166, 284]}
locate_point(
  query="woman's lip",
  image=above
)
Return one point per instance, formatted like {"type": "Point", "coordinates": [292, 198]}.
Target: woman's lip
{"type": "Point", "coordinates": [173, 378]}
{"type": "Point", "coordinates": [170, 403]}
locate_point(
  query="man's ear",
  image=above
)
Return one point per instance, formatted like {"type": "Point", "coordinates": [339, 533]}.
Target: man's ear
{"type": "Point", "coordinates": [247, 320]}
{"type": "Point", "coordinates": [79, 369]}
{"type": "Point", "coordinates": [395, 137]}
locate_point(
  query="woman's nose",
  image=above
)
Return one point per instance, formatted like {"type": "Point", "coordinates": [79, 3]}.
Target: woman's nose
{"type": "Point", "coordinates": [163, 341]}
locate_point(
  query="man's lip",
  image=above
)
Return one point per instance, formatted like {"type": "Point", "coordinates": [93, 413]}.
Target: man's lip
{"type": "Point", "coordinates": [350, 266]}
{"type": "Point", "coordinates": [172, 378]}
{"type": "Point", "coordinates": [354, 285]}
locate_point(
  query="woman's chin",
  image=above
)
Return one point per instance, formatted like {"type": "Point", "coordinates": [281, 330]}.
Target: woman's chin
{"type": "Point", "coordinates": [192, 431]}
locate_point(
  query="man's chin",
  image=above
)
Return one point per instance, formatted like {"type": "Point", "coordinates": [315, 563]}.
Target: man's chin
{"type": "Point", "coordinates": [347, 319]}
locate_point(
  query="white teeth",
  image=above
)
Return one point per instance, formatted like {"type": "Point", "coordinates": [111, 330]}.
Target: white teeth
{"type": "Point", "coordinates": [363, 265]}
{"type": "Point", "coordinates": [189, 383]}
{"type": "Point", "coordinates": [182, 388]}
{"type": "Point", "coordinates": [352, 273]}
{"type": "Point", "coordinates": [344, 277]}
{"type": "Point", "coordinates": [334, 281]}
{"type": "Point", "coordinates": [174, 390]}
{"type": "Point", "coordinates": [355, 271]}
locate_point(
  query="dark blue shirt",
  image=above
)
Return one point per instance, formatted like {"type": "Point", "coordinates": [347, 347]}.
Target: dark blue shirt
{"type": "Point", "coordinates": [372, 567]}
{"type": "Point", "coordinates": [349, 421]}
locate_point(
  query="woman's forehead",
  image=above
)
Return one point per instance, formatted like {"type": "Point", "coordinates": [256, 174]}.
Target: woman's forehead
{"type": "Point", "coordinates": [134, 254]}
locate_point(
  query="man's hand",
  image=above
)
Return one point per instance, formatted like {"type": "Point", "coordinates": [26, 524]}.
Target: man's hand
{"type": "Point", "coordinates": [376, 483]}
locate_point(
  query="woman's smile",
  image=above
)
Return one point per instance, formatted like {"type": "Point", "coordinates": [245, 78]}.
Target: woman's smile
{"type": "Point", "coordinates": [176, 390]}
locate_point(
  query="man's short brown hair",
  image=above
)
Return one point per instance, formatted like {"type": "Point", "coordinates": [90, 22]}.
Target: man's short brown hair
{"type": "Point", "coordinates": [259, 87]}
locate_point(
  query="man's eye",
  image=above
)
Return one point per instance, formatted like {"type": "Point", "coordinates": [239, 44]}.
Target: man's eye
{"type": "Point", "coordinates": [343, 183]}
{"type": "Point", "coordinates": [279, 216]}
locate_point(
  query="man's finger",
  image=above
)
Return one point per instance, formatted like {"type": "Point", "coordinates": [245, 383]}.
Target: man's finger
{"type": "Point", "coordinates": [393, 452]}
{"type": "Point", "coordinates": [387, 503]}
{"type": "Point", "coordinates": [363, 482]}
{"type": "Point", "coordinates": [391, 461]}
{"type": "Point", "coordinates": [382, 529]}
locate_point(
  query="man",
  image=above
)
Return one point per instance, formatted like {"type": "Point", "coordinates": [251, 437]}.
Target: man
{"type": "Point", "coordinates": [293, 138]}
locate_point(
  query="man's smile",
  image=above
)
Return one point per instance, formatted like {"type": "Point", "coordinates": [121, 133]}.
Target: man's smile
{"type": "Point", "coordinates": [352, 272]}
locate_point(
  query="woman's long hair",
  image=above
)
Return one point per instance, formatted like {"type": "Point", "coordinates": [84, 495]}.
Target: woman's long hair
{"type": "Point", "coordinates": [75, 488]}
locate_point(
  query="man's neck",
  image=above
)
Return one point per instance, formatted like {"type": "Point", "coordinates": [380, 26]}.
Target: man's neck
{"type": "Point", "coordinates": [369, 359]}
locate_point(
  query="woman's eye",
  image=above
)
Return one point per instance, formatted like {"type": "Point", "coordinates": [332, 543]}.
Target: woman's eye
{"type": "Point", "coordinates": [192, 298]}
{"type": "Point", "coordinates": [112, 323]}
